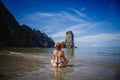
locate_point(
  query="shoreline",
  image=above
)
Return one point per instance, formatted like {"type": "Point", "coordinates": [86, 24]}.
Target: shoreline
{"type": "Point", "coordinates": [14, 65]}
{"type": "Point", "coordinates": [36, 66]}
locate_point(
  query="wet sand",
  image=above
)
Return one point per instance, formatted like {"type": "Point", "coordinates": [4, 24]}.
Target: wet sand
{"type": "Point", "coordinates": [13, 66]}
{"type": "Point", "coordinates": [36, 66]}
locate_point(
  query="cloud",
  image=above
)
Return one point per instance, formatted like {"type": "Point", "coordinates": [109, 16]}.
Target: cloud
{"type": "Point", "coordinates": [71, 17]}
{"type": "Point", "coordinates": [80, 29]}
{"type": "Point", "coordinates": [47, 29]}
{"type": "Point", "coordinates": [78, 12]}
{"type": "Point", "coordinates": [76, 29]}
{"type": "Point", "coordinates": [99, 24]}
{"type": "Point", "coordinates": [63, 15]}
{"type": "Point", "coordinates": [47, 14]}
{"type": "Point", "coordinates": [57, 24]}
{"type": "Point", "coordinates": [98, 40]}
{"type": "Point", "coordinates": [79, 26]}
{"type": "Point", "coordinates": [52, 19]}
{"type": "Point", "coordinates": [51, 22]}
{"type": "Point", "coordinates": [99, 37]}
{"type": "Point", "coordinates": [83, 15]}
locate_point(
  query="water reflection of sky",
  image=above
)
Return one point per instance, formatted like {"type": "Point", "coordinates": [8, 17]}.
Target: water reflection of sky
{"type": "Point", "coordinates": [95, 54]}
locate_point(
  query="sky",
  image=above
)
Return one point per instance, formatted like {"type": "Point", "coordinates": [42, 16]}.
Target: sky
{"type": "Point", "coordinates": [94, 23]}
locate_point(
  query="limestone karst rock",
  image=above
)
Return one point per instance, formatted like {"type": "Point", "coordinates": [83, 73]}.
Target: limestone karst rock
{"type": "Point", "coordinates": [69, 39]}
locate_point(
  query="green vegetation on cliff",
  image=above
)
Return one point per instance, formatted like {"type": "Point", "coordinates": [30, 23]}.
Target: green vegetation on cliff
{"type": "Point", "coordinates": [14, 35]}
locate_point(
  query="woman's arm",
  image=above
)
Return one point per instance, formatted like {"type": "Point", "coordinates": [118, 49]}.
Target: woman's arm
{"type": "Point", "coordinates": [64, 56]}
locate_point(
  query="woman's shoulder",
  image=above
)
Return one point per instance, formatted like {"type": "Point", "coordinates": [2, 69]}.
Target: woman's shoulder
{"type": "Point", "coordinates": [56, 51]}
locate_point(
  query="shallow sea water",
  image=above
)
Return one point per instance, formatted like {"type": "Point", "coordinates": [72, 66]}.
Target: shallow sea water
{"type": "Point", "coordinates": [84, 64]}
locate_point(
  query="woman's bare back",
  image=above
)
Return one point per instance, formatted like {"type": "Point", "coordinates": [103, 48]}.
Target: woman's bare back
{"type": "Point", "coordinates": [58, 56]}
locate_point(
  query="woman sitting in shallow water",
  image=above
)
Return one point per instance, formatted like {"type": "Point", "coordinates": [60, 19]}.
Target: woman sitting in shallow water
{"type": "Point", "coordinates": [59, 59]}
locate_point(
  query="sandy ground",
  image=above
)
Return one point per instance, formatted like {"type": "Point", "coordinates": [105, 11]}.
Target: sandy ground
{"type": "Point", "coordinates": [25, 67]}
{"type": "Point", "coordinates": [13, 66]}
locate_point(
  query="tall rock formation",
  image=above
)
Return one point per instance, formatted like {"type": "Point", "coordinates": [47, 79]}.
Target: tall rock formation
{"type": "Point", "coordinates": [14, 35]}
{"type": "Point", "coordinates": [69, 39]}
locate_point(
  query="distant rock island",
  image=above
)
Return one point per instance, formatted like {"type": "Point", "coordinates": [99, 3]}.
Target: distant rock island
{"type": "Point", "coordinates": [12, 34]}
{"type": "Point", "coordinates": [69, 41]}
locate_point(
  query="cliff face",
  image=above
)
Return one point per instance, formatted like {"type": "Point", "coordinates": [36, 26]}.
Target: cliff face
{"type": "Point", "coordinates": [14, 35]}
{"type": "Point", "coordinates": [69, 39]}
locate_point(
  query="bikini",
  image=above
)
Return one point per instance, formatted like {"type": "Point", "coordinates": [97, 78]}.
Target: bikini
{"type": "Point", "coordinates": [57, 61]}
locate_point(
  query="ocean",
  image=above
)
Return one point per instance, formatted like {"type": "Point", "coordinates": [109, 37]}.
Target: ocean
{"type": "Point", "coordinates": [85, 63]}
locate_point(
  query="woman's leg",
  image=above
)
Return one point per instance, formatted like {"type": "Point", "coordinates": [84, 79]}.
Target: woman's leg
{"type": "Point", "coordinates": [53, 64]}
{"type": "Point", "coordinates": [63, 64]}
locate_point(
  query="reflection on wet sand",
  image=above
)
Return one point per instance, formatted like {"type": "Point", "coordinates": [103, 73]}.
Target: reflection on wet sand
{"type": "Point", "coordinates": [60, 73]}
{"type": "Point", "coordinates": [35, 65]}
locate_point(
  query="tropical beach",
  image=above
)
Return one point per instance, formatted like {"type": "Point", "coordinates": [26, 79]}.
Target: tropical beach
{"type": "Point", "coordinates": [60, 40]}
{"type": "Point", "coordinates": [84, 63]}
